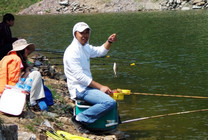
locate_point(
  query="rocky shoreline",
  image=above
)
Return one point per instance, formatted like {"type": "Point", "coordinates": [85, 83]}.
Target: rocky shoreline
{"type": "Point", "coordinates": [33, 125]}
{"type": "Point", "coordinates": [106, 6]}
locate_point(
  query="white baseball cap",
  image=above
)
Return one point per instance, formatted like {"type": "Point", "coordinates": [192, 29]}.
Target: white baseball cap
{"type": "Point", "coordinates": [80, 27]}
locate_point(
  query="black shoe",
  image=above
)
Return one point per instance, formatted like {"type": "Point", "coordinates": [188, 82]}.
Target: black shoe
{"type": "Point", "coordinates": [35, 108]}
{"type": "Point", "coordinates": [80, 127]}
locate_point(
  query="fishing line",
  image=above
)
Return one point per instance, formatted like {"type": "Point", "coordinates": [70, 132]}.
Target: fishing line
{"type": "Point", "coordinates": [167, 95]}
{"type": "Point", "coordinates": [57, 64]}
{"type": "Point", "coordinates": [163, 115]}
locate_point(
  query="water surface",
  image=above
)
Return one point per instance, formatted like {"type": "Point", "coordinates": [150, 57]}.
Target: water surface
{"type": "Point", "coordinates": [171, 56]}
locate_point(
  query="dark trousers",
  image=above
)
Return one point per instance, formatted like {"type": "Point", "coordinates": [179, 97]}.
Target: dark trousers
{"type": "Point", "coordinates": [4, 50]}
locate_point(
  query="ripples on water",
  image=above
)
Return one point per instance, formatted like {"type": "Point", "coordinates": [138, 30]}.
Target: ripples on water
{"type": "Point", "coordinates": [171, 56]}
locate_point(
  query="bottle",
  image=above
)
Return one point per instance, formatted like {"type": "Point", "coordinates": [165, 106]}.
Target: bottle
{"type": "Point", "coordinates": [28, 85]}
{"type": "Point", "coordinates": [20, 83]}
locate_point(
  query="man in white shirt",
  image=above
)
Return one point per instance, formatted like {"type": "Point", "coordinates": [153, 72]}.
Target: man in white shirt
{"type": "Point", "coordinates": [79, 78]}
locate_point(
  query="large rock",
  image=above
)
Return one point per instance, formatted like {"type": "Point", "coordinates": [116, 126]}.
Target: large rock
{"type": "Point", "coordinates": [196, 1]}
{"type": "Point", "coordinates": [8, 132]}
{"type": "Point", "coordinates": [26, 136]}
{"type": "Point", "coordinates": [64, 2]}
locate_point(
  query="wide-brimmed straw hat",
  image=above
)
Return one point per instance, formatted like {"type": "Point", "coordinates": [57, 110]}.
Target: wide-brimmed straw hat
{"type": "Point", "coordinates": [21, 44]}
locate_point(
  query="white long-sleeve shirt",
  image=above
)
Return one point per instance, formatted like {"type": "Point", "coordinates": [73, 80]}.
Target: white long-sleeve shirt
{"type": "Point", "coordinates": [77, 65]}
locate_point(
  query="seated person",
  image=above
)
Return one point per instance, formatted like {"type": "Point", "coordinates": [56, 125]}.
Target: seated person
{"type": "Point", "coordinates": [13, 67]}
{"type": "Point", "coordinates": [79, 78]}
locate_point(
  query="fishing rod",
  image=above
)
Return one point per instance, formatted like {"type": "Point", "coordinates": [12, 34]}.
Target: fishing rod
{"type": "Point", "coordinates": [167, 95]}
{"type": "Point", "coordinates": [61, 52]}
{"type": "Point", "coordinates": [108, 60]}
{"type": "Point", "coordinates": [163, 115]}
{"type": "Point", "coordinates": [128, 92]}
{"type": "Point", "coordinates": [108, 56]}
{"type": "Point", "coordinates": [95, 59]}
{"type": "Point", "coordinates": [91, 64]}
{"type": "Point", "coordinates": [61, 57]}
{"type": "Point", "coordinates": [49, 51]}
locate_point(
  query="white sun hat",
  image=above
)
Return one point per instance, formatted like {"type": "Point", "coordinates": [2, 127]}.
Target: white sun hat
{"type": "Point", "coordinates": [21, 44]}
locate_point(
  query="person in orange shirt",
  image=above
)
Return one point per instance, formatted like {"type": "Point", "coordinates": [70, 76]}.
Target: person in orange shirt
{"type": "Point", "coordinates": [13, 66]}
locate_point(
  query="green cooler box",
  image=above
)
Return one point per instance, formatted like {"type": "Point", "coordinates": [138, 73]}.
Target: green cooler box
{"type": "Point", "coordinates": [106, 123]}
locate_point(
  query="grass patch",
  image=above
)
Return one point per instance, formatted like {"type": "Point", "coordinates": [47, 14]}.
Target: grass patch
{"type": "Point", "coordinates": [34, 124]}
{"type": "Point", "coordinates": [14, 6]}
{"type": "Point", "coordinates": [31, 128]}
{"type": "Point", "coordinates": [54, 94]}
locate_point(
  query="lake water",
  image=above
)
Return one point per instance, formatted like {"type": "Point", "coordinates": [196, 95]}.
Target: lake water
{"type": "Point", "coordinates": [170, 50]}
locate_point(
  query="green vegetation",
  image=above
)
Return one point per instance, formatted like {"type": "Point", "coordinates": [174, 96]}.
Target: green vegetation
{"type": "Point", "coordinates": [54, 94]}
{"type": "Point", "coordinates": [14, 6]}
{"type": "Point", "coordinates": [1, 121]}
{"type": "Point", "coordinates": [34, 124]}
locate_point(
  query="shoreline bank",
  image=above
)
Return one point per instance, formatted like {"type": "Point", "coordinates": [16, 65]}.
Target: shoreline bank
{"type": "Point", "coordinates": [110, 6]}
